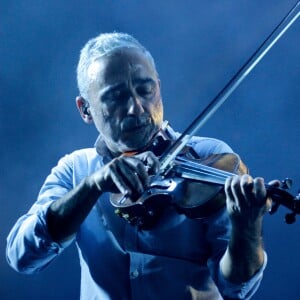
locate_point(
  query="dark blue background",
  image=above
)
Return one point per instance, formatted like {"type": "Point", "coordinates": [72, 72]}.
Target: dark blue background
{"type": "Point", "coordinates": [198, 46]}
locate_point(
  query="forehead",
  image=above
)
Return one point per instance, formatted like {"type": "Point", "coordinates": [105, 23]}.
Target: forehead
{"type": "Point", "coordinates": [119, 65]}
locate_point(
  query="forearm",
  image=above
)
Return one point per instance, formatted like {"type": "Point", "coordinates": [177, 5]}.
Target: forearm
{"type": "Point", "coordinates": [65, 215]}
{"type": "Point", "coordinates": [245, 254]}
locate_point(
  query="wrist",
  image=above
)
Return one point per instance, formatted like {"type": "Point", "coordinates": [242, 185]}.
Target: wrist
{"type": "Point", "coordinates": [92, 184]}
{"type": "Point", "coordinates": [246, 235]}
{"type": "Point", "coordinates": [252, 227]}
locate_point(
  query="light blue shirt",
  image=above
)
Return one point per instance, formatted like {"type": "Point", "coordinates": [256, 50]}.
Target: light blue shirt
{"type": "Point", "coordinates": [178, 258]}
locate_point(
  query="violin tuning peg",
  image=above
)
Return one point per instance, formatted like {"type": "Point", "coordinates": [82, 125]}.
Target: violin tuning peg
{"type": "Point", "coordinates": [286, 183]}
{"type": "Point", "coordinates": [274, 208]}
{"type": "Point", "coordinates": [290, 218]}
{"type": "Point", "coordinates": [126, 217]}
{"type": "Point", "coordinates": [118, 212]}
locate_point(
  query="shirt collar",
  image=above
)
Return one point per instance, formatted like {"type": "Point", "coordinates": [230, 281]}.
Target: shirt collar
{"type": "Point", "coordinates": [102, 149]}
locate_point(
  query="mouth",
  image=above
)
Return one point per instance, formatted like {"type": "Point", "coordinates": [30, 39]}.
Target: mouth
{"type": "Point", "coordinates": [136, 135]}
{"type": "Point", "coordinates": [130, 124]}
{"type": "Point", "coordinates": [136, 128]}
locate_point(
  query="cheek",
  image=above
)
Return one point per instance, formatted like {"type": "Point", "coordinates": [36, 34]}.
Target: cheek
{"type": "Point", "coordinates": [105, 115]}
{"type": "Point", "coordinates": [157, 111]}
{"type": "Point", "coordinates": [101, 118]}
{"type": "Point", "coordinates": [112, 111]}
{"type": "Point", "coordinates": [102, 113]}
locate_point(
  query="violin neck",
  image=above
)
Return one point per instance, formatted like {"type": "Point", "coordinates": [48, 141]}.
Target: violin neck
{"type": "Point", "coordinates": [196, 171]}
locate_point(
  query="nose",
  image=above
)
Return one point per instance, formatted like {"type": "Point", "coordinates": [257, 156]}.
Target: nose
{"type": "Point", "coordinates": [135, 106]}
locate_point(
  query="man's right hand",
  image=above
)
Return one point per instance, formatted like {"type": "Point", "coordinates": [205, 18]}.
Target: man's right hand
{"type": "Point", "coordinates": [125, 174]}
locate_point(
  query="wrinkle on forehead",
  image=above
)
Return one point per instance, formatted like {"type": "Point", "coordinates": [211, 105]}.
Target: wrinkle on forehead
{"type": "Point", "coordinates": [119, 66]}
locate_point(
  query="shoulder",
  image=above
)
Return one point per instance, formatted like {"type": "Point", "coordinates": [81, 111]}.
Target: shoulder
{"type": "Point", "coordinates": [86, 154]}
{"type": "Point", "coordinates": [73, 167]}
{"type": "Point", "coordinates": [82, 161]}
{"type": "Point", "coordinates": [206, 146]}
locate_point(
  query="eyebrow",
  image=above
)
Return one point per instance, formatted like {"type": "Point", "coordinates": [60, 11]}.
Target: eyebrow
{"type": "Point", "coordinates": [111, 87]}
{"type": "Point", "coordinates": [120, 85]}
{"type": "Point", "coordinates": [143, 80]}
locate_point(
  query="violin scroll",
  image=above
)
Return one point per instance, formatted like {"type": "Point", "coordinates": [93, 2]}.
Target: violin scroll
{"type": "Point", "coordinates": [281, 196]}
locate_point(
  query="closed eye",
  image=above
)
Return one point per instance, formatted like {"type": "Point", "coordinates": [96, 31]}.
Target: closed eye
{"type": "Point", "coordinates": [146, 89]}
{"type": "Point", "coordinates": [116, 95]}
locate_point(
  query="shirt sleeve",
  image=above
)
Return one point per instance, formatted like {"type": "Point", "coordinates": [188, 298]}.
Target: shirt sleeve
{"type": "Point", "coordinates": [244, 290]}
{"type": "Point", "coordinates": [29, 246]}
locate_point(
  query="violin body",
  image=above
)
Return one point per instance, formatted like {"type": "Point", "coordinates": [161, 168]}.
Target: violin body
{"type": "Point", "coordinates": [182, 188]}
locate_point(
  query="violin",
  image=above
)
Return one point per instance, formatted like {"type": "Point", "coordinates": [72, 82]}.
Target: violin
{"type": "Point", "coordinates": [195, 188]}
{"type": "Point", "coordinates": [183, 175]}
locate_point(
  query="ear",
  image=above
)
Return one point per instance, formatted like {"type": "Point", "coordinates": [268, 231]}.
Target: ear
{"type": "Point", "coordinates": [84, 110]}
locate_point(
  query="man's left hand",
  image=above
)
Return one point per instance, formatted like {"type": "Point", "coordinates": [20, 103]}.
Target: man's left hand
{"type": "Point", "coordinates": [246, 198]}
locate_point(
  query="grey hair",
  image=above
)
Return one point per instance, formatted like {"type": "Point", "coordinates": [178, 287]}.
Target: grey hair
{"type": "Point", "coordinates": [100, 46]}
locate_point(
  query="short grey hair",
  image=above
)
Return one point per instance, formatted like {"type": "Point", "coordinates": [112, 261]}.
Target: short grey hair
{"type": "Point", "coordinates": [100, 46]}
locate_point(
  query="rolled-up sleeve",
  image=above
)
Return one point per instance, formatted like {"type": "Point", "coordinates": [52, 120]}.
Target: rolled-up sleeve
{"type": "Point", "coordinates": [29, 245]}
{"type": "Point", "coordinates": [244, 290]}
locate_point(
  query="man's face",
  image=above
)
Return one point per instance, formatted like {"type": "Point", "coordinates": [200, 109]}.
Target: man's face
{"type": "Point", "coordinates": [125, 100]}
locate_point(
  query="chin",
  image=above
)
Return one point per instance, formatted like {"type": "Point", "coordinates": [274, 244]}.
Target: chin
{"type": "Point", "coordinates": [135, 146]}
{"type": "Point", "coordinates": [136, 143]}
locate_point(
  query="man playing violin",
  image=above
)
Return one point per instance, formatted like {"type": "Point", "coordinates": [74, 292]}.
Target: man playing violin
{"type": "Point", "coordinates": [217, 257]}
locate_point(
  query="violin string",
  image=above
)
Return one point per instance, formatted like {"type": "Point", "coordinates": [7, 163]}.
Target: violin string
{"type": "Point", "coordinates": [200, 177]}
{"type": "Point", "coordinates": [198, 171]}
{"type": "Point", "coordinates": [200, 174]}
{"type": "Point", "coordinates": [199, 166]}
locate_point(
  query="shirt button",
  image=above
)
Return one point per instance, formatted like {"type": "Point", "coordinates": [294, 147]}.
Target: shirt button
{"type": "Point", "coordinates": [135, 273]}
